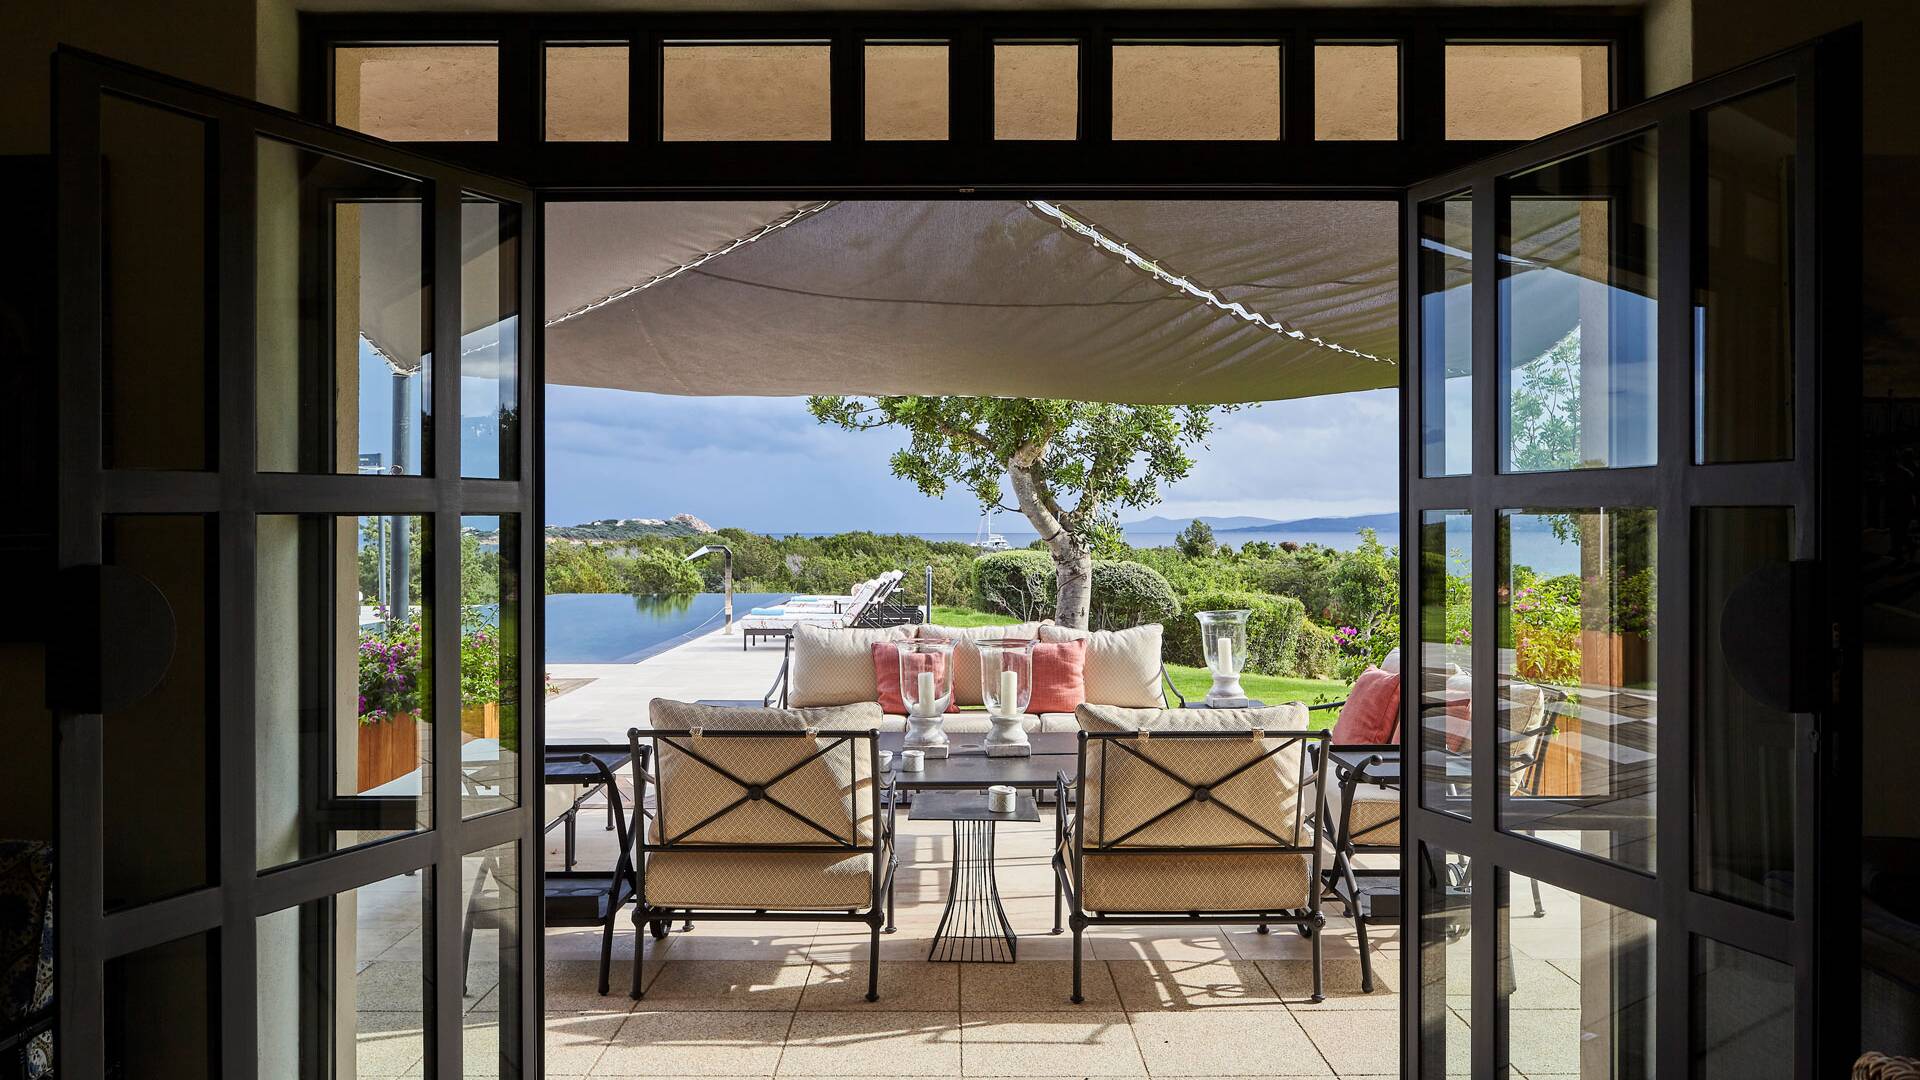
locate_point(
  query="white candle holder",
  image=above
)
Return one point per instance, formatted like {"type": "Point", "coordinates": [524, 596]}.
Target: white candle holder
{"type": "Point", "coordinates": [926, 688]}
{"type": "Point", "coordinates": [1006, 687]}
{"type": "Point", "coordinates": [1223, 638]}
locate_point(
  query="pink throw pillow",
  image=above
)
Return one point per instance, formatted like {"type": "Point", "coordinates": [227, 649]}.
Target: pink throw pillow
{"type": "Point", "coordinates": [1371, 715]}
{"type": "Point", "coordinates": [1059, 676]}
{"type": "Point", "coordinates": [886, 674]}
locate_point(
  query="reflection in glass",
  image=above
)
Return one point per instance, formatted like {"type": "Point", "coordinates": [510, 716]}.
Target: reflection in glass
{"type": "Point", "coordinates": [1446, 336]}
{"type": "Point", "coordinates": [586, 93]}
{"type": "Point", "coordinates": [157, 810]}
{"type": "Point", "coordinates": [343, 983]}
{"type": "Point", "coordinates": [490, 882]}
{"type": "Point", "coordinates": [156, 332]}
{"type": "Point", "coordinates": [1578, 708]}
{"type": "Point", "coordinates": [1523, 91]}
{"type": "Point", "coordinates": [1742, 1013]}
{"type": "Point", "coordinates": [489, 662]}
{"type": "Point", "coordinates": [1743, 285]}
{"type": "Point", "coordinates": [161, 1012]}
{"type": "Point", "coordinates": [418, 93]}
{"type": "Point", "coordinates": [1577, 287]}
{"type": "Point", "coordinates": [1446, 661]}
{"type": "Point", "coordinates": [1172, 92]}
{"type": "Point", "coordinates": [343, 694]}
{"type": "Point", "coordinates": [1575, 984]}
{"type": "Point", "coordinates": [1446, 964]}
{"type": "Point", "coordinates": [1036, 90]}
{"type": "Point", "coordinates": [1743, 748]}
{"type": "Point", "coordinates": [1356, 92]}
{"type": "Point", "coordinates": [344, 380]}
{"type": "Point", "coordinates": [906, 91]}
{"type": "Point", "coordinates": [729, 93]}
{"type": "Point", "coordinates": [489, 339]}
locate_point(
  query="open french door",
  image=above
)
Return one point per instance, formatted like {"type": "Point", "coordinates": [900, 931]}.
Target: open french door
{"type": "Point", "coordinates": [1632, 671]}
{"type": "Point", "coordinates": [298, 386]}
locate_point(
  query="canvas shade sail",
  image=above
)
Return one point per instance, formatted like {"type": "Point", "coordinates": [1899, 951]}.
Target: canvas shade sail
{"type": "Point", "coordinates": [1147, 301]}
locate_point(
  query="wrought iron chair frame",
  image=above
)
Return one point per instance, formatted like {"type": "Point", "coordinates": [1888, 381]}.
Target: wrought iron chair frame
{"type": "Point", "coordinates": [877, 915]}
{"type": "Point", "coordinates": [1070, 840]}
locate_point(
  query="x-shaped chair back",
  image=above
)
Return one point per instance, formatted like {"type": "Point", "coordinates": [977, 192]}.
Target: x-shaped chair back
{"type": "Point", "coordinates": [1197, 790]}
{"type": "Point", "coordinates": [762, 788]}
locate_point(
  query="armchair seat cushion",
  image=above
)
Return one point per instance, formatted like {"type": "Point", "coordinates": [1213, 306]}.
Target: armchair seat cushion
{"type": "Point", "coordinates": [779, 880]}
{"type": "Point", "coordinates": [1376, 813]}
{"type": "Point", "coordinates": [1196, 881]}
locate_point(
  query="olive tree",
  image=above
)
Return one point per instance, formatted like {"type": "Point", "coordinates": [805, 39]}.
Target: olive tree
{"type": "Point", "coordinates": [1072, 465]}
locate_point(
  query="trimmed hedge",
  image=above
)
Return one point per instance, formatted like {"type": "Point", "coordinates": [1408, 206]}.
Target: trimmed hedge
{"type": "Point", "coordinates": [1023, 584]}
{"type": "Point", "coordinates": [1273, 630]}
{"type": "Point", "coordinates": [1316, 653]}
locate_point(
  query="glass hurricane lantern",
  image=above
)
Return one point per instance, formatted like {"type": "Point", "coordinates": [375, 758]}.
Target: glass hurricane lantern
{"type": "Point", "coordinates": [926, 688]}
{"type": "Point", "coordinates": [1006, 687]}
{"type": "Point", "coordinates": [1223, 638]}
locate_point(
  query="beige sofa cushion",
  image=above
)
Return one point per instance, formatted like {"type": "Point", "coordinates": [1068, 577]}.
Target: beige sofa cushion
{"type": "Point", "coordinates": [1123, 666]}
{"type": "Point", "coordinates": [834, 665]}
{"type": "Point", "coordinates": [976, 722]}
{"type": "Point", "coordinates": [1213, 881]}
{"type": "Point", "coordinates": [1125, 797]}
{"type": "Point", "coordinates": [833, 790]}
{"type": "Point", "coordinates": [966, 656]}
{"type": "Point", "coordinates": [763, 879]}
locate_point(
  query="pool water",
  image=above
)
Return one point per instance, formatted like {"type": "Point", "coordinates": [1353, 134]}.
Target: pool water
{"type": "Point", "coordinates": [615, 628]}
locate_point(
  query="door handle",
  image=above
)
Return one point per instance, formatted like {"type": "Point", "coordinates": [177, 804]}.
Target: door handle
{"type": "Point", "coordinates": [114, 639]}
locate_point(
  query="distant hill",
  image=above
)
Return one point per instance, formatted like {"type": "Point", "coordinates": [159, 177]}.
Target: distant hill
{"type": "Point", "coordinates": [1387, 525]}
{"type": "Point", "coordinates": [627, 530]}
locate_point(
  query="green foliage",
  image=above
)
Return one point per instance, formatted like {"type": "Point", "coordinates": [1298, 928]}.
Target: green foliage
{"type": "Point", "coordinates": [1016, 583]}
{"type": "Point", "coordinates": [1544, 418]}
{"type": "Point", "coordinates": [576, 568]}
{"type": "Point", "coordinates": [1316, 653]}
{"type": "Point", "coordinates": [1196, 540]}
{"type": "Point", "coordinates": [1273, 630]}
{"type": "Point", "coordinates": [1130, 594]}
{"type": "Point", "coordinates": [1304, 573]}
{"type": "Point", "coordinates": [655, 572]}
{"type": "Point", "coordinates": [1366, 601]}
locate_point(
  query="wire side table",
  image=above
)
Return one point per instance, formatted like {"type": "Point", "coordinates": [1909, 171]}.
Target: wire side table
{"type": "Point", "coordinates": [974, 926]}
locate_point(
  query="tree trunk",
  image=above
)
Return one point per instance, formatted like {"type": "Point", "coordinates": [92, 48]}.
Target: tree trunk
{"type": "Point", "coordinates": [1072, 559]}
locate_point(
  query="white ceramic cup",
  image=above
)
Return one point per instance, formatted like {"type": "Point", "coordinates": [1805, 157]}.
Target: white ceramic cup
{"type": "Point", "coordinates": [913, 761]}
{"type": "Point", "coordinates": [886, 760]}
{"type": "Point", "coordinates": [1000, 799]}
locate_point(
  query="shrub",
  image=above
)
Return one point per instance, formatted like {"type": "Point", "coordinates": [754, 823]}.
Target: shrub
{"type": "Point", "coordinates": [1316, 653]}
{"type": "Point", "coordinates": [1273, 629]}
{"type": "Point", "coordinates": [1016, 583]}
{"type": "Point", "coordinates": [1129, 594]}
{"type": "Point", "coordinates": [1196, 540]}
{"type": "Point", "coordinates": [660, 572]}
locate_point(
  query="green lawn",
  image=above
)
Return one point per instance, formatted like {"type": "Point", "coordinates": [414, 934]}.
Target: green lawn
{"type": "Point", "coordinates": [1194, 681]}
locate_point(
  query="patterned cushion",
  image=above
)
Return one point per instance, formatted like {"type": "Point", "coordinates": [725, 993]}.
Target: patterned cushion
{"type": "Point", "coordinates": [1371, 715]}
{"type": "Point", "coordinates": [966, 658]}
{"type": "Point", "coordinates": [1376, 813]}
{"type": "Point", "coordinates": [833, 791]}
{"type": "Point", "coordinates": [1059, 676]}
{"type": "Point", "coordinates": [734, 879]}
{"type": "Point", "coordinates": [1123, 666]}
{"type": "Point", "coordinates": [886, 678]}
{"type": "Point", "coordinates": [1127, 787]}
{"type": "Point", "coordinates": [1218, 881]}
{"type": "Point", "coordinates": [834, 665]}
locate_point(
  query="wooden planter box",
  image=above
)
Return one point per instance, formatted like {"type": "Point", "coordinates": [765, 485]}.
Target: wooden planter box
{"type": "Point", "coordinates": [389, 749]}
{"type": "Point", "coordinates": [480, 722]}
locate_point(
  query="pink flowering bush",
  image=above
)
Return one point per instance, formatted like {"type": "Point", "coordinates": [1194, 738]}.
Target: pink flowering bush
{"type": "Point", "coordinates": [391, 672]}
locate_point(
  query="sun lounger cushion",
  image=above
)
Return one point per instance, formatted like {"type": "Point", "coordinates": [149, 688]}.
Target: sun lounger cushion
{"type": "Point", "coordinates": [834, 665]}
{"type": "Point", "coordinates": [1123, 666]}
{"type": "Point", "coordinates": [966, 656]}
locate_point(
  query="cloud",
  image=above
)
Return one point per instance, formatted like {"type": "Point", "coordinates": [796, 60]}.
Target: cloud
{"type": "Point", "coordinates": [766, 464]}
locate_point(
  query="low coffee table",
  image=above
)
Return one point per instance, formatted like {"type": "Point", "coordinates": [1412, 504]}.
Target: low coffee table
{"type": "Point", "coordinates": [974, 927]}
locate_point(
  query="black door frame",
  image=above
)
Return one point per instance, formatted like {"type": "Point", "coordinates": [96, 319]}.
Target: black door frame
{"type": "Point", "coordinates": [230, 494]}
{"type": "Point", "coordinates": [1820, 938]}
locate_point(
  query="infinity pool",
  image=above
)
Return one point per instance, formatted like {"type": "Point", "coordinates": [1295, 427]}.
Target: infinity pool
{"type": "Point", "coordinates": [614, 628]}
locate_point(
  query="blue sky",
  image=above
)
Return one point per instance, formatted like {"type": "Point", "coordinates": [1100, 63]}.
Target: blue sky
{"type": "Point", "coordinates": [764, 464]}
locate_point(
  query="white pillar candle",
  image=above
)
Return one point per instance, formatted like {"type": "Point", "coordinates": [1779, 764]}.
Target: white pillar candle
{"type": "Point", "coordinates": [925, 704]}
{"type": "Point", "coordinates": [1223, 654]}
{"type": "Point", "coordinates": [1009, 692]}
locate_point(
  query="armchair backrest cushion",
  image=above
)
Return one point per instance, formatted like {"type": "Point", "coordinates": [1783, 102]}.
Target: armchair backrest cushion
{"type": "Point", "coordinates": [966, 654]}
{"type": "Point", "coordinates": [1371, 715]}
{"type": "Point", "coordinates": [833, 665]}
{"type": "Point", "coordinates": [830, 796]}
{"type": "Point", "coordinates": [1255, 796]}
{"type": "Point", "coordinates": [1123, 666]}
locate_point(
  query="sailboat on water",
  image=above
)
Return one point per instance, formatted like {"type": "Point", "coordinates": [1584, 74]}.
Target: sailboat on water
{"type": "Point", "coordinates": [984, 538]}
